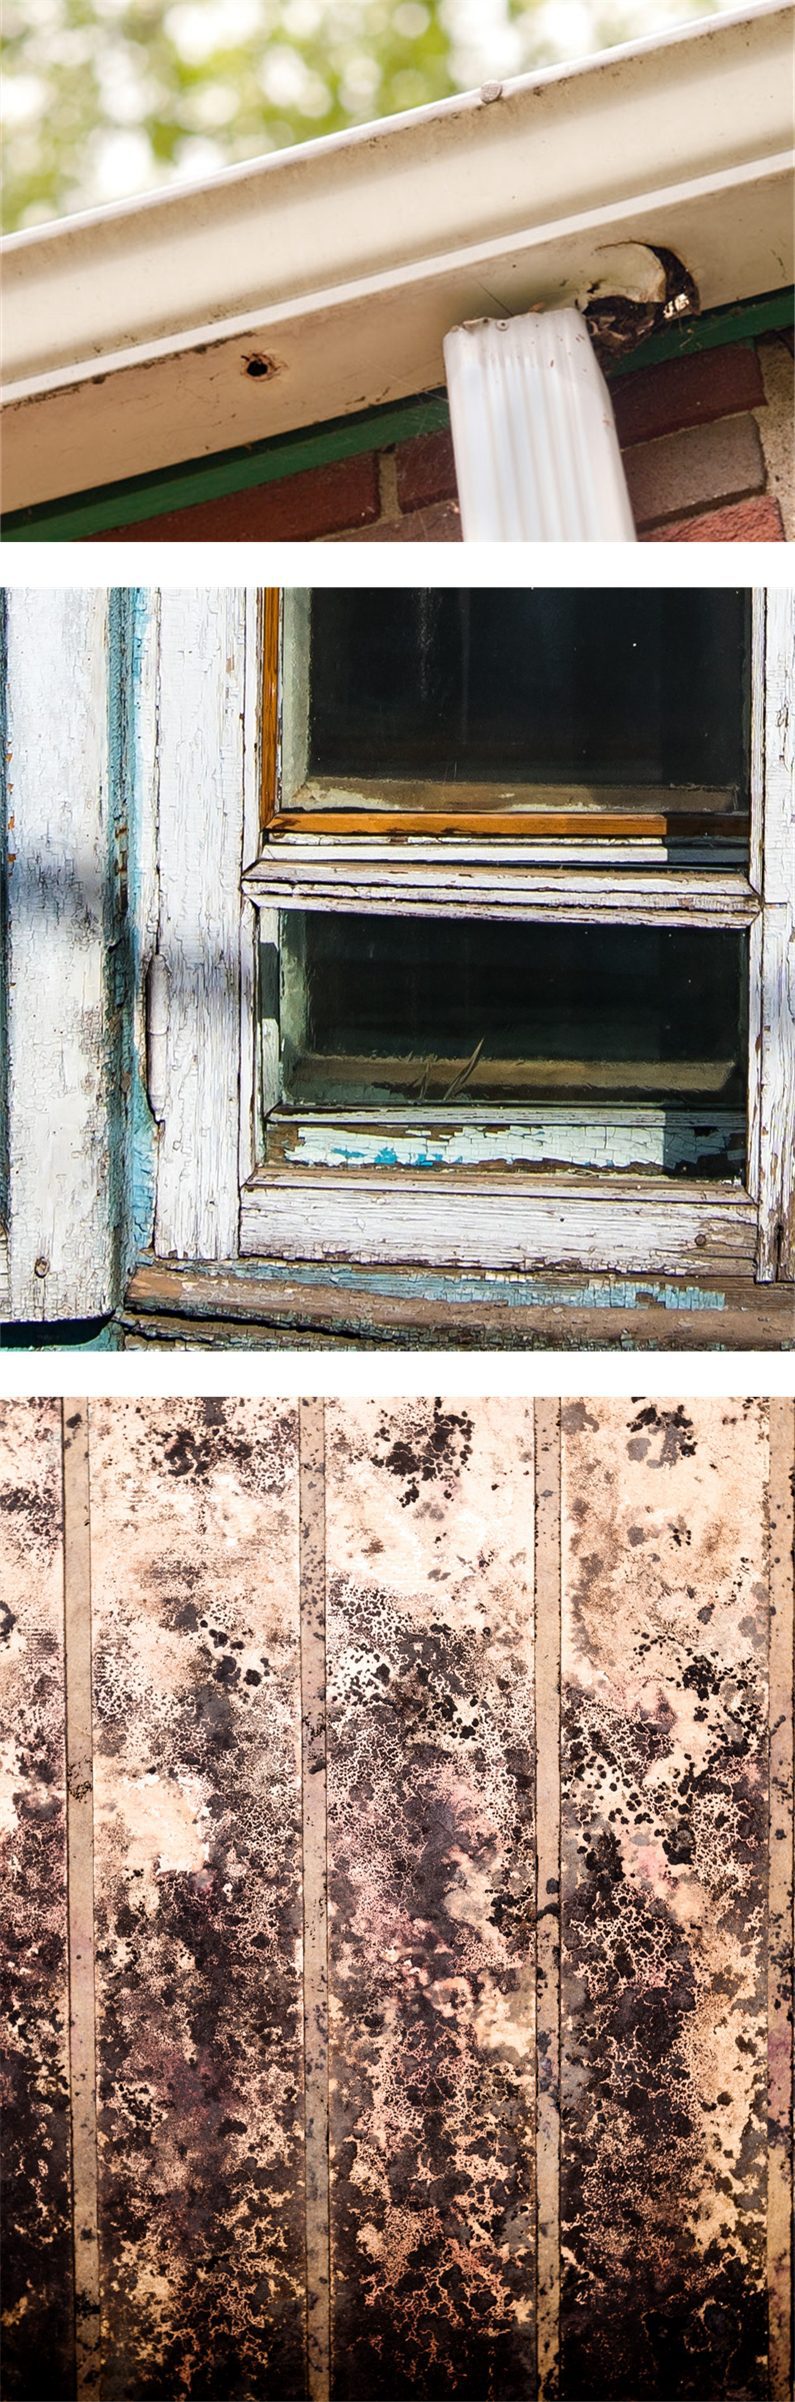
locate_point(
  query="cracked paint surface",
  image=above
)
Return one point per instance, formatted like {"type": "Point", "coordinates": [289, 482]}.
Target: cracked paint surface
{"type": "Point", "coordinates": [665, 1803]}
{"type": "Point", "coordinates": [38, 2293]}
{"type": "Point", "coordinates": [198, 1898]}
{"type": "Point", "coordinates": [432, 1896]}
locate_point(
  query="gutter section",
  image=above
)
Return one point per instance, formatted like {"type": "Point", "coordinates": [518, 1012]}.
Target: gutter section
{"type": "Point", "coordinates": [177, 326]}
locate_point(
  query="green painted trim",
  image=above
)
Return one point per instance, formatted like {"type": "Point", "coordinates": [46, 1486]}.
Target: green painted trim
{"type": "Point", "coordinates": [231, 471]}
{"type": "Point", "coordinates": [741, 321]}
{"type": "Point", "coordinates": [257, 463]}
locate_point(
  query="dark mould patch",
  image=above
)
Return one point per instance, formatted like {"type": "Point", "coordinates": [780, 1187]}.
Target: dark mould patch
{"type": "Point", "coordinates": [427, 1452]}
{"type": "Point", "coordinates": [575, 1419]}
{"type": "Point", "coordinates": [206, 1436]}
{"type": "Point", "coordinates": [38, 1510]}
{"type": "Point", "coordinates": [675, 1428]}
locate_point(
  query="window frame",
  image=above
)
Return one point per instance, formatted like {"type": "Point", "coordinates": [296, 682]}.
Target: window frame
{"type": "Point", "coordinates": [593, 1220]}
{"type": "Point", "coordinates": [135, 724]}
{"type": "Point", "coordinates": [205, 889]}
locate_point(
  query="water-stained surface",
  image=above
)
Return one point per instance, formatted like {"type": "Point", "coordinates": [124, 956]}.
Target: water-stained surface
{"type": "Point", "coordinates": [665, 1806]}
{"type": "Point", "coordinates": [198, 1897]}
{"type": "Point", "coordinates": [432, 1893]}
{"type": "Point", "coordinates": [36, 2216]}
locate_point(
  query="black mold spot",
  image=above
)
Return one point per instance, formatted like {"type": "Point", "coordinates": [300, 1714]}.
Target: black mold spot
{"type": "Point", "coordinates": [438, 1452]}
{"type": "Point", "coordinates": [677, 1430]}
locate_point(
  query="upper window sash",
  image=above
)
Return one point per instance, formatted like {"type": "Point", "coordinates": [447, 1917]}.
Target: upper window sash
{"type": "Point", "coordinates": [595, 806]}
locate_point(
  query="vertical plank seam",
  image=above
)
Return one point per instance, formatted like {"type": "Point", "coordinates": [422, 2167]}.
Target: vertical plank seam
{"type": "Point", "coordinates": [315, 1892]}
{"type": "Point", "coordinates": [756, 752]}
{"type": "Point", "coordinates": [548, 1881]}
{"type": "Point", "coordinates": [80, 1893]}
{"type": "Point", "coordinates": [781, 1937]}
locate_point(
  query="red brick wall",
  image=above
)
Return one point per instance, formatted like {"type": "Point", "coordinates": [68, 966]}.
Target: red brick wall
{"type": "Point", "coordinates": [707, 444]}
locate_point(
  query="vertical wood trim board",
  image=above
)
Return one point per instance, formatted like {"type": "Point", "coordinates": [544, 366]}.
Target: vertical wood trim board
{"type": "Point", "coordinates": [777, 1128]}
{"type": "Point", "coordinates": [781, 1895]}
{"type": "Point", "coordinates": [202, 787]}
{"type": "Point", "coordinates": [313, 1722]}
{"type": "Point", "coordinates": [250, 1127]}
{"type": "Point", "coordinates": [547, 1681]}
{"type": "Point", "coordinates": [143, 774]}
{"type": "Point", "coordinates": [60, 1235]}
{"type": "Point", "coordinates": [80, 1830]}
{"type": "Point", "coordinates": [756, 732]}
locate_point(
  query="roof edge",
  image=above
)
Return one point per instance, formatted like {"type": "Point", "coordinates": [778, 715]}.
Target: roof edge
{"type": "Point", "coordinates": [338, 267]}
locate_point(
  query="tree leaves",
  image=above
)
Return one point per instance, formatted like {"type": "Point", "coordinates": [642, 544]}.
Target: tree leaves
{"type": "Point", "coordinates": [105, 98]}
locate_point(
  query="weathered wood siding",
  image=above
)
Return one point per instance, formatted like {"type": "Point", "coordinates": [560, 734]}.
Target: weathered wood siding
{"type": "Point", "coordinates": [428, 2057]}
{"type": "Point", "coordinates": [201, 778]}
{"type": "Point", "coordinates": [62, 1222]}
{"type": "Point", "coordinates": [777, 1129]}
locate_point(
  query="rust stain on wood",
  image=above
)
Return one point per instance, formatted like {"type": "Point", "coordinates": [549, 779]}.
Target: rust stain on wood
{"type": "Point", "coordinates": [394, 826]}
{"type": "Point", "coordinates": [269, 771]}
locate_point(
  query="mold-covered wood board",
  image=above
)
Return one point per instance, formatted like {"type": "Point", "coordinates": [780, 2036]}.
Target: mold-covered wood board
{"type": "Point", "coordinates": [665, 1820]}
{"type": "Point", "coordinates": [429, 1511]}
{"type": "Point", "coordinates": [38, 2292]}
{"type": "Point", "coordinates": [194, 1509]}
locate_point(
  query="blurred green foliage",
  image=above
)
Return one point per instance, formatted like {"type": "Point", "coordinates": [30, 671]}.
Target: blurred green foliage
{"type": "Point", "coordinates": [102, 98]}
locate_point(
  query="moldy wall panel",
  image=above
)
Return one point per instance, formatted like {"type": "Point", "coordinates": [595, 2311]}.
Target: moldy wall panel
{"type": "Point", "coordinates": [197, 1795]}
{"type": "Point", "coordinates": [326, 1644]}
{"type": "Point", "coordinates": [432, 1898]}
{"type": "Point", "coordinates": [665, 1817]}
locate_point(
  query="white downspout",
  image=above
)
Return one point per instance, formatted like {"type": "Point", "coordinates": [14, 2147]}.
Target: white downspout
{"type": "Point", "coordinates": [536, 449]}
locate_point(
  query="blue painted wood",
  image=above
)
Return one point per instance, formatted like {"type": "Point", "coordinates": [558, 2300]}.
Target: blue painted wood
{"type": "Point", "coordinates": [131, 1128]}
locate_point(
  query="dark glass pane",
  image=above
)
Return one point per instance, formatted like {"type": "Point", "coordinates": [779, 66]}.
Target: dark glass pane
{"type": "Point", "coordinates": [427, 1013]}
{"type": "Point", "coordinates": [600, 686]}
